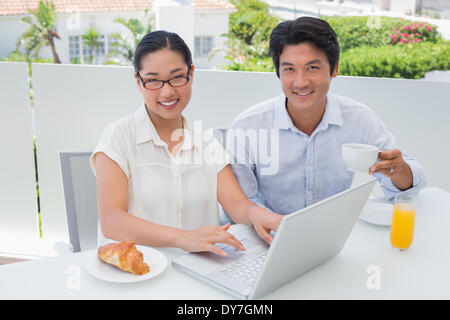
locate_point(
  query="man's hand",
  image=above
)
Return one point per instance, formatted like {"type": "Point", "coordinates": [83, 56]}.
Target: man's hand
{"type": "Point", "coordinates": [392, 165]}
{"type": "Point", "coordinates": [264, 221]}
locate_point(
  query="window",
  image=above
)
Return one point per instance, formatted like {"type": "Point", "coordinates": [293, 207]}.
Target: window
{"type": "Point", "coordinates": [80, 53]}
{"type": "Point", "coordinates": [203, 46]}
{"type": "Point", "coordinates": [100, 52]}
{"type": "Point", "coordinates": [87, 53]}
{"type": "Point", "coordinates": [74, 47]}
{"type": "Point", "coordinates": [110, 41]}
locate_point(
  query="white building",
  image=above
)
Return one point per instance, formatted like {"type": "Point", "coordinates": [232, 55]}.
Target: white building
{"type": "Point", "coordinates": [293, 8]}
{"type": "Point", "coordinates": [201, 23]}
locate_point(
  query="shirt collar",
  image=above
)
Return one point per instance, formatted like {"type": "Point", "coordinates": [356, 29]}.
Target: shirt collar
{"type": "Point", "coordinates": [332, 114]}
{"type": "Point", "coordinates": [146, 131]}
{"type": "Point", "coordinates": [282, 120]}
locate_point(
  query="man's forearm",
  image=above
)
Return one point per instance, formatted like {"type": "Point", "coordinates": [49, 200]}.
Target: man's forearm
{"type": "Point", "coordinates": [240, 211]}
{"type": "Point", "coordinates": [404, 180]}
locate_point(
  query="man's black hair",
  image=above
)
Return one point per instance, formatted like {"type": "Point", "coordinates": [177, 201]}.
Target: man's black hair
{"type": "Point", "coordinates": [304, 29]}
{"type": "Point", "coordinates": [158, 40]}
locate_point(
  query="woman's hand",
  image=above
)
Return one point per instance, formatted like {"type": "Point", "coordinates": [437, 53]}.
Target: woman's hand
{"type": "Point", "coordinates": [264, 221]}
{"type": "Point", "coordinates": [203, 239]}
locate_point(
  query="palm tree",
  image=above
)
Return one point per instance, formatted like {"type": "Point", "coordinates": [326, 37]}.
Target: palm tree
{"type": "Point", "coordinates": [123, 47]}
{"type": "Point", "coordinates": [91, 41]}
{"type": "Point", "coordinates": [42, 30]}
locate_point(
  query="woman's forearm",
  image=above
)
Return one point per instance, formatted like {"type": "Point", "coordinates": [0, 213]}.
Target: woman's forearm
{"type": "Point", "coordinates": [121, 225]}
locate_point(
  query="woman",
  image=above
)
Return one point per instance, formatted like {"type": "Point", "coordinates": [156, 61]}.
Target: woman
{"type": "Point", "coordinates": [150, 190]}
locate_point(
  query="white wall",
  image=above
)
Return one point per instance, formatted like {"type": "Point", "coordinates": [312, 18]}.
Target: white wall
{"type": "Point", "coordinates": [382, 4]}
{"type": "Point", "coordinates": [211, 24]}
{"type": "Point", "coordinates": [11, 27]}
{"type": "Point", "coordinates": [175, 16]}
{"type": "Point", "coordinates": [18, 200]}
{"type": "Point", "coordinates": [73, 113]}
{"type": "Point", "coordinates": [404, 6]}
{"type": "Point", "coordinates": [441, 6]}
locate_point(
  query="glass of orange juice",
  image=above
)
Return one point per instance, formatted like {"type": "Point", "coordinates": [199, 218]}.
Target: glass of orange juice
{"type": "Point", "coordinates": [403, 219]}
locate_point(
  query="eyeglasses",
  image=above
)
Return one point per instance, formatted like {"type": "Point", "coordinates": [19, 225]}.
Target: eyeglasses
{"type": "Point", "coordinates": [154, 84]}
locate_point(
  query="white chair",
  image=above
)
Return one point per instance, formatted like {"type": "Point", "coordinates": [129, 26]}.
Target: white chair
{"type": "Point", "coordinates": [80, 197]}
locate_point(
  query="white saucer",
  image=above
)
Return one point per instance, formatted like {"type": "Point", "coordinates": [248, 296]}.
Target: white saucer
{"type": "Point", "coordinates": [378, 211]}
{"type": "Point", "coordinates": [101, 270]}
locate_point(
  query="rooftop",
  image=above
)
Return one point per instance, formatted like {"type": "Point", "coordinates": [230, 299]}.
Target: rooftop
{"type": "Point", "coordinates": [20, 7]}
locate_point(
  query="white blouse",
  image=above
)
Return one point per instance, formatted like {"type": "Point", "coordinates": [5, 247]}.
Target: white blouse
{"type": "Point", "coordinates": [178, 191]}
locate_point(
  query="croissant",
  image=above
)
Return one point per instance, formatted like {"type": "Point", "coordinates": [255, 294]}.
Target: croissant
{"type": "Point", "coordinates": [124, 256]}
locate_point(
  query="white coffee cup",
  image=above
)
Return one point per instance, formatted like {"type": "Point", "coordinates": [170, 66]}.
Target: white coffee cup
{"type": "Point", "coordinates": [359, 157]}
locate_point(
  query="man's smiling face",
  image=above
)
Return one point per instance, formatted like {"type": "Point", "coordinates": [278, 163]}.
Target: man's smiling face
{"type": "Point", "coordinates": [305, 77]}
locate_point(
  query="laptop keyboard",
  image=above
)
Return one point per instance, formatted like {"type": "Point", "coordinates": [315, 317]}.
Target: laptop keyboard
{"type": "Point", "coordinates": [245, 271]}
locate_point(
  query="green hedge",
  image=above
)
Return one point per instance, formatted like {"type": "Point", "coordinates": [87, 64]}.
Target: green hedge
{"type": "Point", "coordinates": [262, 64]}
{"type": "Point", "coordinates": [355, 32]}
{"type": "Point", "coordinates": [371, 47]}
{"type": "Point", "coordinates": [410, 61]}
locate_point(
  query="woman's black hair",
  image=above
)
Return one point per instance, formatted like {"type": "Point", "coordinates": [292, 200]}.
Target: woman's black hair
{"type": "Point", "coordinates": [158, 40]}
{"type": "Point", "coordinates": [304, 29]}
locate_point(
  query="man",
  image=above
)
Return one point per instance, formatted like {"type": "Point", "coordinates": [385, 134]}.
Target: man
{"type": "Point", "coordinates": [307, 126]}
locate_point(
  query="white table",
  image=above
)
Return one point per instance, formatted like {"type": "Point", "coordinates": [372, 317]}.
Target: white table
{"type": "Point", "coordinates": [422, 272]}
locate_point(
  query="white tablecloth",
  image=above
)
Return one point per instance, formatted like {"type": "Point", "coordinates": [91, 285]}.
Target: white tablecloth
{"type": "Point", "coordinates": [422, 272]}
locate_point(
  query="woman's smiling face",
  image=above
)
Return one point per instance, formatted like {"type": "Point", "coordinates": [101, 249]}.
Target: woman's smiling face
{"type": "Point", "coordinates": [166, 102]}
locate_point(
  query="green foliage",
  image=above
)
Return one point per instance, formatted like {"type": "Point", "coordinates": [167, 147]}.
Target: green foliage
{"type": "Point", "coordinates": [254, 64]}
{"type": "Point", "coordinates": [390, 47]}
{"type": "Point", "coordinates": [248, 39]}
{"type": "Point", "coordinates": [123, 47]}
{"type": "Point", "coordinates": [410, 61]}
{"type": "Point", "coordinates": [16, 56]}
{"type": "Point", "coordinates": [41, 31]}
{"type": "Point", "coordinates": [371, 31]}
{"type": "Point", "coordinates": [355, 32]}
{"type": "Point", "coordinates": [76, 60]}
{"type": "Point", "coordinates": [370, 47]}
{"type": "Point", "coordinates": [91, 41]}
{"type": "Point", "coordinates": [252, 21]}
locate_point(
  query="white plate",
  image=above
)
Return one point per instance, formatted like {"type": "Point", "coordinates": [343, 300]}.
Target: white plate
{"type": "Point", "coordinates": [378, 211]}
{"type": "Point", "coordinates": [101, 270]}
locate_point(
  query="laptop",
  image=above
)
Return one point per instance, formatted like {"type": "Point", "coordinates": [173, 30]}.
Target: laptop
{"type": "Point", "coordinates": [305, 239]}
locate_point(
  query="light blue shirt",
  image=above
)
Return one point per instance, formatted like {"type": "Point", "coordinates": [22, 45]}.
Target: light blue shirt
{"type": "Point", "coordinates": [308, 168]}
